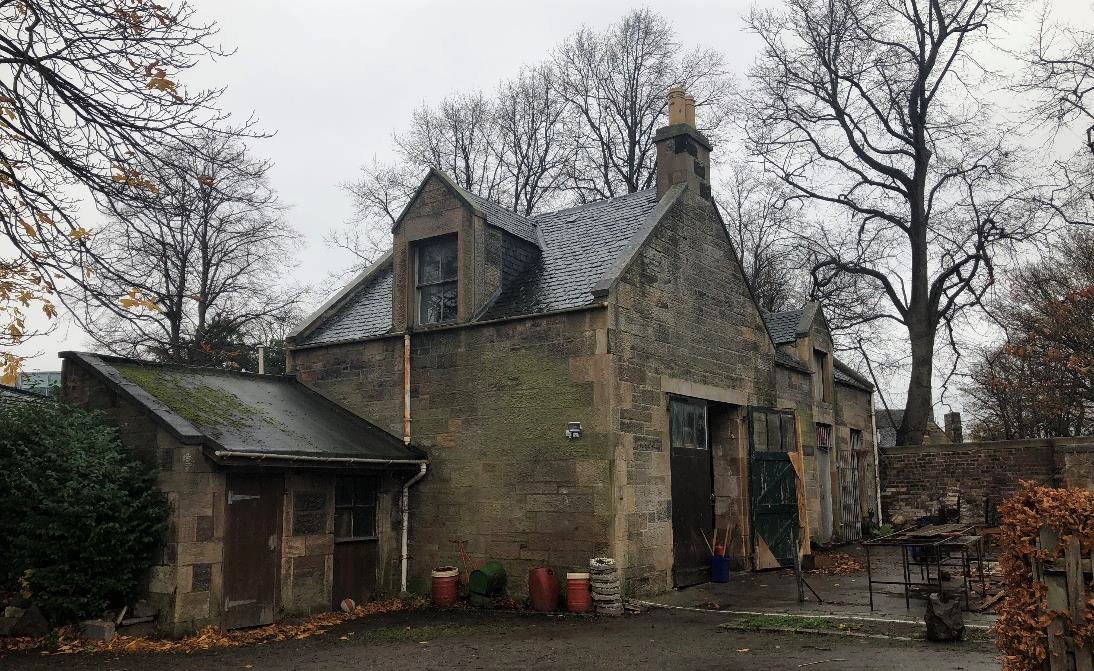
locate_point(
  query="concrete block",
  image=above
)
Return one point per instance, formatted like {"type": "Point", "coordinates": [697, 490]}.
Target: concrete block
{"type": "Point", "coordinates": [97, 630]}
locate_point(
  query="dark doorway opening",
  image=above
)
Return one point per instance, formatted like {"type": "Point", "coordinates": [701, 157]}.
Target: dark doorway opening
{"type": "Point", "coordinates": [692, 490]}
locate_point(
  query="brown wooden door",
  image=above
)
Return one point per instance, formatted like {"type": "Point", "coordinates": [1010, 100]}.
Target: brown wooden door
{"type": "Point", "coordinates": [355, 564]}
{"type": "Point", "coordinates": [692, 491]}
{"type": "Point", "coordinates": [356, 549]}
{"type": "Point", "coordinates": [252, 550]}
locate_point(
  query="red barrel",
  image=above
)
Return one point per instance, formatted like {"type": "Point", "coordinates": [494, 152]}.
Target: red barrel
{"type": "Point", "coordinates": [579, 597]}
{"type": "Point", "coordinates": [445, 582]}
{"type": "Point", "coordinates": [543, 588]}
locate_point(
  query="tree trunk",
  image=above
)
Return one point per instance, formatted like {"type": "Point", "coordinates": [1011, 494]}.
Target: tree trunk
{"type": "Point", "coordinates": [918, 409]}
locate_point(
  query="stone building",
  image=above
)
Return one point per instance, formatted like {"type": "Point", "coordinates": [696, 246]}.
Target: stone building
{"type": "Point", "coordinates": [597, 380]}
{"type": "Point", "coordinates": [593, 381]}
{"type": "Point", "coordinates": [282, 502]}
{"type": "Point", "coordinates": [833, 406]}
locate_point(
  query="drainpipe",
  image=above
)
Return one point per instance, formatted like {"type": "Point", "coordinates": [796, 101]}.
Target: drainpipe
{"type": "Point", "coordinates": [421, 467]}
{"type": "Point", "coordinates": [877, 459]}
{"type": "Point", "coordinates": [406, 388]}
{"type": "Point", "coordinates": [406, 520]}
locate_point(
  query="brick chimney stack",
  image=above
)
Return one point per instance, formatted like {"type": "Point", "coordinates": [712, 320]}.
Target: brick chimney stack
{"type": "Point", "coordinates": [952, 426]}
{"type": "Point", "coordinates": [683, 153]}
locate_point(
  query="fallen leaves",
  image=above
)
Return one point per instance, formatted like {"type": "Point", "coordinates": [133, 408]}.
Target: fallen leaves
{"type": "Point", "coordinates": [839, 563]}
{"type": "Point", "coordinates": [1024, 613]}
{"type": "Point", "coordinates": [68, 641]}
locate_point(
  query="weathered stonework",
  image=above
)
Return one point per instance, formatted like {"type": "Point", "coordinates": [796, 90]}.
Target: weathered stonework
{"type": "Point", "coordinates": [682, 322]}
{"type": "Point", "coordinates": [491, 403]}
{"type": "Point", "coordinates": [186, 586]}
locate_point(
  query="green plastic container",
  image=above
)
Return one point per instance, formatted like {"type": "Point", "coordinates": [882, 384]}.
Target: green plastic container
{"type": "Point", "coordinates": [488, 580]}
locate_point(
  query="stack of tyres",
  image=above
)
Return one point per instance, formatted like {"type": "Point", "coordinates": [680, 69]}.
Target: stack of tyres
{"type": "Point", "coordinates": [607, 594]}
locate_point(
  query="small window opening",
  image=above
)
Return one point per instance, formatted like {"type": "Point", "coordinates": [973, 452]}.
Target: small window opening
{"type": "Point", "coordinates": [355, 508]}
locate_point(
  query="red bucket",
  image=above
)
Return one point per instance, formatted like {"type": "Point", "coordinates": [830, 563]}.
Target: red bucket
{"type": "Point", "coordinates": [445, 583]}
{"type": "Point", "coordinates": [579, 597]}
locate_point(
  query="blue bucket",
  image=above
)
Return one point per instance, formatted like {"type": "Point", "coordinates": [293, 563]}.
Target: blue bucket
{"type": "Point", "coordinates": [719, 568]}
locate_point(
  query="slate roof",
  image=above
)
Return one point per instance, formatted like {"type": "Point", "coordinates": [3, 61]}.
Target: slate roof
{"type": "Point", "coordinates": [790, 361]}
{"type": "Point", "coordinates": [366, 314]}
{"type": "Point", "coordinates": [844, 374]}
{"type": "Point", "coordinates": [250, 416]}
{"type": "Point", "coordinates": [783, 326]}
{"type": "Point", "coordinates": [579, 245]}
{"type": "Point", "coordinates": [504, 219]}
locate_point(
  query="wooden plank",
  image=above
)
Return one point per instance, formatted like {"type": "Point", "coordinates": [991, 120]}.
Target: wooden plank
{"type": "Point", "coordinates": [1076, 595]}
{"type": "Point", "coordinates": [1057, 648]}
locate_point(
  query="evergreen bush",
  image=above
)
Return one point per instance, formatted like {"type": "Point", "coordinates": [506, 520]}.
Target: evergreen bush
{"type": "Point", "coordinates": [80, 517]}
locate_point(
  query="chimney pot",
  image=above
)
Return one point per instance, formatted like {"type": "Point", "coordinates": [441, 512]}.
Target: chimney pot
{"type": "Point", "coordinates": [677, 106]}
{"type": "Point", "coordinates": [689, 110]}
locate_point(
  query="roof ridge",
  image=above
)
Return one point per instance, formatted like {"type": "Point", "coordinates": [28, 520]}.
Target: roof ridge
{"type": "Point", "coordinates": [592, 203]}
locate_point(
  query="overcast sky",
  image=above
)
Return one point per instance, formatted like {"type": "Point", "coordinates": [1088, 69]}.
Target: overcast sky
{"type": "Point", "coordinates": [335, 78]}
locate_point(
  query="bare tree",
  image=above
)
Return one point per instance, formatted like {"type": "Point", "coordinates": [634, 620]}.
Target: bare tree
{"type": "Point", "coordinates": [534, 139]}
{"type": "Point", "coordinates": [1059, 81]}
{"type": "Point", "coordinates": [761, 225]}
{"type": "Point", "coordinates": [877, 110]}
{"type": "Point", "coordinates": [379, 195]}
{"type": "Point", "coordinates": [203, 264]}
{"type": "Point", "coordinates": [579, 126]}
{"type": "Point", "coordinates": [458, 136]}
{"type": "Point", "coordinates": [615, 82]}
{"type": "Point", "coordinates": [89, 91]}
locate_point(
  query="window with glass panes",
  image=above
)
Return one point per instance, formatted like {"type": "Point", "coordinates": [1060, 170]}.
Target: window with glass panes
{"type": "Point", "coordinates": [438, 285]}
{"type": "Point", "coordinates": [355, 507]}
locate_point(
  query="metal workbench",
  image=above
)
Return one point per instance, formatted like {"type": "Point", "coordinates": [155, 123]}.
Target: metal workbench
{"type": "Point", "coordinates": [931, 549]}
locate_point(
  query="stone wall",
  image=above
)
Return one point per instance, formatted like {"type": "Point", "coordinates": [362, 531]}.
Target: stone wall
{"type": "Point", "coordinates": [850, 410]}
{"type": "Point", "coordinates": [682, 323]}
{"type": "Point", "coordinates": [490, 403]}
{"type": "Point", "coordinates": [186, 584]}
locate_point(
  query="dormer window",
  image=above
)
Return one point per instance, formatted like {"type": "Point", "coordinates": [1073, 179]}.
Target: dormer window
{"type": "Point", "coordinates": [438, 283]}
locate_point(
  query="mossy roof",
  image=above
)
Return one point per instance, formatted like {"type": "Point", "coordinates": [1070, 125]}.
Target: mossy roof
{"type": "Point", "coordinates": [246, 413]}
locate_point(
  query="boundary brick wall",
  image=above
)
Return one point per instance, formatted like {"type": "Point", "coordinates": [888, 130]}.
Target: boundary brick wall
{"type": "Point", "coordinates": [916, 480]}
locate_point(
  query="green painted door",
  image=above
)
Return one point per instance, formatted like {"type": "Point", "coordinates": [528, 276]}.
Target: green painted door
{"type": "Point", "coordinates": [773, 491]}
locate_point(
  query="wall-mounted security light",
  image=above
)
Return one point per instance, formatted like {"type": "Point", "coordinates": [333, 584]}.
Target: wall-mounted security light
{"type": "Point", "coordinates": [573, 430]}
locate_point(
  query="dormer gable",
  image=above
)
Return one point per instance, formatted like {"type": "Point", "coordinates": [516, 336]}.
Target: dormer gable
{"type": "Point", "coordinates": [452, 251]}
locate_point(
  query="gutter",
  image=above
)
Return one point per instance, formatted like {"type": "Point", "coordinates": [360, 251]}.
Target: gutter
{"type": "Point", "coordinates": [303, 457]}
{"type": "Point", "coordinates": [404, 560]}
{"type": "Point", "coordinates": [877, 459]}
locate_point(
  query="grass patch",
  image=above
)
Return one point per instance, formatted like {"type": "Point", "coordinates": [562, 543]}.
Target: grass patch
{"type": "Point", "coordinates": [792, 623]}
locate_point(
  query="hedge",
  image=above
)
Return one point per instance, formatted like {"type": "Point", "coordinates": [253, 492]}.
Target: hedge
{"type": "Point", "coordinates": [80, 517]}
